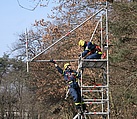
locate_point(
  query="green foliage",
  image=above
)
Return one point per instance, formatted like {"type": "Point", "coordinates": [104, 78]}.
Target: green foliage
{"type": "Point", "coordinates": [10, 64]}
{"type": "Point", "coordinates": [123, 21]}
{"type": "Point", "coordinates": [4, 65]}
{"type": "Point", "coordinates": [14, 93]}
{"type": "Point", "coordinates": [120, 52]}
{"type": "Point", "coordinates": [119, 55]}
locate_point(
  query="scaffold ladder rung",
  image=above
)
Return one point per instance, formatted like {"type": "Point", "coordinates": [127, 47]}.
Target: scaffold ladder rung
{"type": "Point", "coordinates": [92, 91]}
{"type": "Point", "coordinates": [95, 100]}
{"type": "Point", "coordinates": [94, 86]}
{"type": "Point", "coordinates": [97, 113]}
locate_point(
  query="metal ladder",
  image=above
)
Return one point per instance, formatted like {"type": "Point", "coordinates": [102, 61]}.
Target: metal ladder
{"type": "Point", "coordinates": [100, 91]}
{"type": "Point", "coordinates": [96, 96]}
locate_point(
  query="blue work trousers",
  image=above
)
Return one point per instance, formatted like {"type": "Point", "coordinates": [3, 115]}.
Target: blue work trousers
{"type": "Point", "coordinates": [93, 56]}
{"type": "Point", "coordinates": [76, 94]}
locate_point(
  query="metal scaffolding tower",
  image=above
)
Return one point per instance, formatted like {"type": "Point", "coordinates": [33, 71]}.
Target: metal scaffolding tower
{"type": "Point", "coordinates": [95, 95]}
{"type": "Point", "coordinates": [98, 105]}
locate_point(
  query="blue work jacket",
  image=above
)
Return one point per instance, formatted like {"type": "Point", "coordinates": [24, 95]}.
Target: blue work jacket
{"type": "Point", "coordinates": [88, 47]}
{"type": "Point", "coordinates": [70, 76]}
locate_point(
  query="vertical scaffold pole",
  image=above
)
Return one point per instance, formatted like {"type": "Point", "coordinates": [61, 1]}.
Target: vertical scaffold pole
{"type": "Point", "coordinates": [26, 36]}
{"type": "Point", "coordinates": [101, 33]}
{"type": "Point", "coordinates": [107, 55]}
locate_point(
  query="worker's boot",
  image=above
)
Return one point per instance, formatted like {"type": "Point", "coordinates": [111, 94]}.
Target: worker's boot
{"type": "Point", "coordinates": [84, 108]}
{"type": "Point", "coordinates": [79, 111]}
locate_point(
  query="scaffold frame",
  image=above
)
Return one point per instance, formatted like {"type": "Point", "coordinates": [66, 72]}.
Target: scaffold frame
{"type": "Point", "coordinates": [84, 63]}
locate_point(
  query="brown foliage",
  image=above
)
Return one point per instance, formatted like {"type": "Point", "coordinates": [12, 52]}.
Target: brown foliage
{"type": "Point", "coordinates": [51, 86]}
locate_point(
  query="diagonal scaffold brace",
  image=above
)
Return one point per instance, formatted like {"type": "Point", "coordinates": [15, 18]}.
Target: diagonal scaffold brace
{"type": "Point", "coordinates": [67, 34]}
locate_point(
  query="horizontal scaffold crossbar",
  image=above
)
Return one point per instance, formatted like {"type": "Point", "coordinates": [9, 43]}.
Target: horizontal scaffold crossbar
{"type": "Point", "coordinates": [97, 113]}
{"type": "Point", "coordinates": [65, 60]}
{"type": "Point", "coordinates": [95, 99]}
{"type": "Point", "coordinates": [105, 86]}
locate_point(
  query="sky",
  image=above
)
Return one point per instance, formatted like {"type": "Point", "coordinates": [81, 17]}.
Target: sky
{"type": "Point", "coordinates": [15, 20]}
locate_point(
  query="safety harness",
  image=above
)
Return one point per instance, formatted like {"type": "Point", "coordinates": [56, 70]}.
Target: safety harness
{"type": "Point", "coordinates": [97, 50]}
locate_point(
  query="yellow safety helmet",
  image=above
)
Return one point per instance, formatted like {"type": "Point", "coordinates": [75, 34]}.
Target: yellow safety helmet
{"type": "Point", "coordinates": [66, 65]}
{"type": "Point", "coordinates": [81, 43]}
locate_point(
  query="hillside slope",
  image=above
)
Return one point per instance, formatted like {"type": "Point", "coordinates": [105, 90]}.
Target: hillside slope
{"type": "Point", "coordinates": [123, 76]}
{"type": "Point", "coordinates": [123, 85]}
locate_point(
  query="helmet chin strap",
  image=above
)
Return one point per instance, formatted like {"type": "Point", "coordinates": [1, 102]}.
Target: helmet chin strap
{"type": "Point", "coordinates": [68, 68]}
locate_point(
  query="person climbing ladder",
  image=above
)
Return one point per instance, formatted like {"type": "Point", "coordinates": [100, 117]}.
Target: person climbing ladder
{"type": "Point", "coordinates": [71, 77]}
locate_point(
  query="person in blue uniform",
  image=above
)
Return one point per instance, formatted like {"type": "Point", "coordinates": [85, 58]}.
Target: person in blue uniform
{"type": "Point", "coordinates": [71, 77]}
{"type": "Point", "coordinates": [91, 50]}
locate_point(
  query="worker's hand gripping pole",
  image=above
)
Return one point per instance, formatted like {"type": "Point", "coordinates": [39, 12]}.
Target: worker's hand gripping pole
{"type": "Point", "coordinates": [52, 61]}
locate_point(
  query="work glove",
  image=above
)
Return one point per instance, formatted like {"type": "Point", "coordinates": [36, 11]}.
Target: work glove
{"type": "Point", "coordinates": [79, 55]}
{"type": "Point", "coordinates": [52, 61]}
